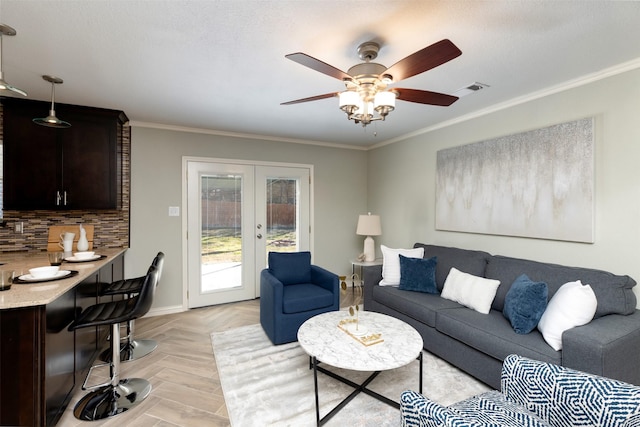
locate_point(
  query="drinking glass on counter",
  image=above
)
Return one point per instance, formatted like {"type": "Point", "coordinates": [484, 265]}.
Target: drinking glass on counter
{"type": "Point", "coordinates": [6, 279]}
{"type": "Point", "coordinates": [55, 258]}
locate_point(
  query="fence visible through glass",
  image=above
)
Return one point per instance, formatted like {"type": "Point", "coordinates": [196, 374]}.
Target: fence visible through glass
{"type": "Point", "coordinates": [221, 232]}
{"type": "Point", "coordinates": [221, 248]}
{"type": "Point", "coordinates": [282, 215]}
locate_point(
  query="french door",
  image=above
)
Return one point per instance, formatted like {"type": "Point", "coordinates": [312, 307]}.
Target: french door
{"type": "Point", "coordinates": [237, 213]}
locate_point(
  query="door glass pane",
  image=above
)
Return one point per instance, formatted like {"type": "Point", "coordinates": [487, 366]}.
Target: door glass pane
{"type": "Point", "coordinates": [282, 215]}
{"type": "Point", "coordinates": [221, 203]}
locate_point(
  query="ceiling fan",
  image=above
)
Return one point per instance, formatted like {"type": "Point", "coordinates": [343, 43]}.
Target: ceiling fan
{"type": "Point", "coordinates": [366, 83]}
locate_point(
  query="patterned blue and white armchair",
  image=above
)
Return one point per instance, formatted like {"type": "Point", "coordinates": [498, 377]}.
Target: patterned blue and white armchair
{"type": "Point", "coordinates": [533, 394]}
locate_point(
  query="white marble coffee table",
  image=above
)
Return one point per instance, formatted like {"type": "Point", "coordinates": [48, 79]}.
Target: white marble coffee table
{"type": "Point", "coordinates": [325, 342]}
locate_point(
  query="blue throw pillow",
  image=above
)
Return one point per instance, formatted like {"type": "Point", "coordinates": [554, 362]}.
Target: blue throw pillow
{"type": "Point", "coordinates": [525, 303]}
{"type": "Point", "coordinates": [418, 274]}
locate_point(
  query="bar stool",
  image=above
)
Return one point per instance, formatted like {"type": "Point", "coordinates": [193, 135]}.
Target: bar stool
{"type": "Point", "coordinates": [130, 348]}
{"type": "Point", "coordinates": [116, 395]}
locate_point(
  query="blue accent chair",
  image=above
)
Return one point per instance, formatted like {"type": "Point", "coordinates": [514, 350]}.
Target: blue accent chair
{"type": "Point", "coordinates": [292, 291]}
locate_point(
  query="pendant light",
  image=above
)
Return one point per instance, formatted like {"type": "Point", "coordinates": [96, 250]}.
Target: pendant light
{"type": "Point", "coordinates": [51, 120]}
{"type": "Point", "coordinates": [6, 30]}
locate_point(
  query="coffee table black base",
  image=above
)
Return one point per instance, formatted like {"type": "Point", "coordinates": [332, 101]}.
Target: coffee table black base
{"type": "Point", "coordinates": [359, 388]}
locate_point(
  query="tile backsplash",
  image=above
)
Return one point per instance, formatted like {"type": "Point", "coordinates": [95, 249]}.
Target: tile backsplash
{"type": "Point", "coordinates": [111, 227]}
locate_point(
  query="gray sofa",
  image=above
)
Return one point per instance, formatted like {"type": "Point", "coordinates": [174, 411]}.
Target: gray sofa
{"type": "Point", "coordinates": [478, 343]}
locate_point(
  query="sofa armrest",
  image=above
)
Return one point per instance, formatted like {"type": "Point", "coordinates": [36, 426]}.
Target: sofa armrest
{"type": "Point", "coordinates": [371, 276]}
{"type": "Point", "coordinates": [605, 347]}
{"type": "Point", "coordinates": [558, 394]}
{"type": "Point", "coordinates": [324, 278]}
{"type": "Point", "coordinates": [417, 410]}
{"type": "Point", "coordinates": [328, 280]}
{"type": "Point", "coordinates": [271, 306]}
{"type": "Point", "coordinates": [270, 284]}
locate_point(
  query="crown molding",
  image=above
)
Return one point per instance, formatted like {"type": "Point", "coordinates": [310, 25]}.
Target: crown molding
{"type": "Point", "coordinates": [151, 125]}
{"type": "Point", "coordinates": [580, 81]}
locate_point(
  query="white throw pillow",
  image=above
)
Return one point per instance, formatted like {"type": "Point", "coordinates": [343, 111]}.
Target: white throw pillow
{"type": "Point", "coordinates": [391, 263]}
{"type": "Point", "coordinates": [469, 290]}
{"type": "Point", "coordinates": [574, 304]}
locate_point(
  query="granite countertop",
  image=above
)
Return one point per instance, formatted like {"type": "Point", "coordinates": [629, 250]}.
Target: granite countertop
{"type": "Point", "coordinates": [42, 293]}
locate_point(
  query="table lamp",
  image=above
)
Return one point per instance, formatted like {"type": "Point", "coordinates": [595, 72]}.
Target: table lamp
{"type": "Point", "coordinates": [369, 225]}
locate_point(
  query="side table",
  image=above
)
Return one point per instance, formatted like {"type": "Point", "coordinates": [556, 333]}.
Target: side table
{"type": "Point", "coordinates": [355, 263]}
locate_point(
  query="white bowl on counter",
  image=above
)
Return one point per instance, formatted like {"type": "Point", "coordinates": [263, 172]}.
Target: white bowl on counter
{"type": "Point", "coordinates": [44, 272]}
{"type": "Point", "coordinates": [83, 255]}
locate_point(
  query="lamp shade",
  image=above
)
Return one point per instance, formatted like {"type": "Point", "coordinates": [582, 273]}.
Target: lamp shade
{"type": "Point", "coordinates": [348, 100]}
{"type": "Point", "coordinates": [385, 99]}
{"type": "Point", "coordinates": [369, 225]}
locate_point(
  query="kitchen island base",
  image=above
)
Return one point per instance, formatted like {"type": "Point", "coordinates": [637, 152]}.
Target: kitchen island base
{"type": "Point", "coordinates": [42, 363]}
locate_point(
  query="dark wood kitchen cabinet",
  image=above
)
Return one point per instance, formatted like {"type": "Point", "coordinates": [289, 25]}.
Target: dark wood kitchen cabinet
{"type": "Point", "coordinates": [42, 363]}
{"type": "Point", "coordinates": [79, 167]}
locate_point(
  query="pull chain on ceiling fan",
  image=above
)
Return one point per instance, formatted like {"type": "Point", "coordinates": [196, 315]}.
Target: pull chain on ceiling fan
{"type": "Point", "coordinates": [366, 83]}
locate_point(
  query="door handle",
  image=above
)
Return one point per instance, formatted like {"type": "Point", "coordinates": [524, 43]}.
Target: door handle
{"type": "Point", "coordinates": [259, 236]}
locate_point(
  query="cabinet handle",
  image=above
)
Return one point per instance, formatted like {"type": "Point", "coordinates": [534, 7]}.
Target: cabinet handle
{"type": "Point", "coordinates": [58, 198]}
{"type": "Point", "coordinates": [65, 198]}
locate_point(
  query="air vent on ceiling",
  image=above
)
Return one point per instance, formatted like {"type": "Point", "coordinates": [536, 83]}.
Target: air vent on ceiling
{"type": "Point", "coordinates": [472, 88]}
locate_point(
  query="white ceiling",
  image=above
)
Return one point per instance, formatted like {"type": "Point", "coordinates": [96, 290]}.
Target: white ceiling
{"type": "Point", "coordinates": [220, 65]}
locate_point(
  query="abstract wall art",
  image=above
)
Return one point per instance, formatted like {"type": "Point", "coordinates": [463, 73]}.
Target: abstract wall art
{"type": "Point", "coordinates": [537, 184]}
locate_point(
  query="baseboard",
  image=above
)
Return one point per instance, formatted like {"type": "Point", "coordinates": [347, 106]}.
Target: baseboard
{"type": "Point", "coordinates": [161, 311]}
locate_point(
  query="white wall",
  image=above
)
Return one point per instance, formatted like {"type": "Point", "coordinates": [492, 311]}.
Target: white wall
{"type": "Point", "coordinates": [397, 181]}
{"type": "Point", "coordinates": [156, 183]}
{"type": "Point", "coordinates": [402, 177]}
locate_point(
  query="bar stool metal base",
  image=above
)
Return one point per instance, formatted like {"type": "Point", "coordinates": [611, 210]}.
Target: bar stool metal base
{"type": "Point", "coordinates": [109, 400]}
{"type": "Point", "coordinates": [134, 350]}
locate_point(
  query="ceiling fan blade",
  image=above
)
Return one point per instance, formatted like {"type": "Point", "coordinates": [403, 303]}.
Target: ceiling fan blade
{"type": "Point", "coordinates": [311, 98]}
{"type": "Point", "coordinates": [317, 65]}
{"type": "Point", "coordinates": [425, 97]}
{"type": "Point", "coordinates": [423, 60]}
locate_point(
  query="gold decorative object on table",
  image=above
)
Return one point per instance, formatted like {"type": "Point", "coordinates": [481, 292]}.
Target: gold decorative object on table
{"type": "Point", "coordinates": [352, 326]}
{"type": "Point", "coordinates": [357, 299]}
{"type": "Point", "coordinates": [364, 339]}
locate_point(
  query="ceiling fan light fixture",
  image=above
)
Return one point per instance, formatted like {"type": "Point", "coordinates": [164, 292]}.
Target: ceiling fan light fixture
{"type": "Point", "coordinates": [51, 120]}
{"type": "Point", "coordinates": [6, 30]}
{"type": "Point", "coordinates": [384, 102]}
{"type": "Point", "coordinates": [360, 107]}
{"type": "Point", "coordinates": [364, 109]}
{"type": "Point", "coordinates": [349, 101]}
{"type": "Point", "coordinates": [366, 98]}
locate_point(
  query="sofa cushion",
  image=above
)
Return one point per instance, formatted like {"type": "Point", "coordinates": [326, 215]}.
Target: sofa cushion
{"type": "Point", "coordinates": [391, 263]}
{"type": "Point", "coordinates": [290, 267]}
{"type": "Point", "coordinates": [494, 409]}
{"type": "Point", "coordinates": [418, 274]}
{"type": "Point", "coordinates": [614, 293]}
{"type": "Point", "coordinates": [488, 409]}
{"type": "Point", "coordinates": [469, 290]}
{"type": "Point", "coordinates": [493, 335]}
{"type": "Point", "coordinates": [573, 305]}
{"type": "Point", "coordinates": [469, 261]}
{"type": "Point", "coordinates": [305, 297]}
{"type": "Point", "coordinates": [418, 305]}
{"type": "Point", "coordinates": [525, 303]}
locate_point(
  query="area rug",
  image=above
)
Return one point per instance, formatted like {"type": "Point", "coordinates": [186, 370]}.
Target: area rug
{"type": "Point", "coordinates": [267, 385]}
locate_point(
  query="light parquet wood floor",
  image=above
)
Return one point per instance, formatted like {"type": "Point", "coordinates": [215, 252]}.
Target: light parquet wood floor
{"type": "Point", "coordinates": [186, 387]}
